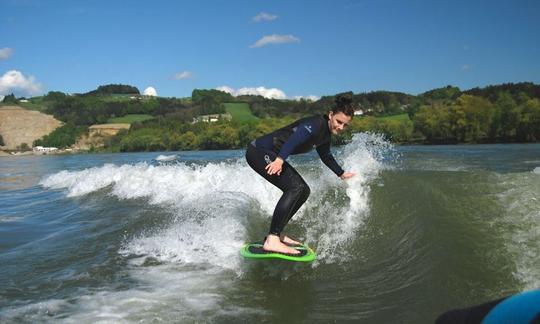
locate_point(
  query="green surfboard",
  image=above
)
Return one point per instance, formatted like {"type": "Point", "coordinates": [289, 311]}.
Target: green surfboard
{"type": "Point", "coordinates": [256, 251]}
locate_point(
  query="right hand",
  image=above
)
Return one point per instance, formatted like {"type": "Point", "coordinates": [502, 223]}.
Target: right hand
{"type": "Point", "coordinates": [347, 175]}
{"type": "Point", "coordinates": [274, 167]}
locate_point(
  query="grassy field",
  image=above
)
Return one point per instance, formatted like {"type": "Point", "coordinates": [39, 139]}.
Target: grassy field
{"type": "Point", "coordinates": [240, 111]}
{"type": "Point", "coordinates": [129, 119]}
{"type": "Point", "coordinates": [400, 117]}
{"type": "Point", "coordinates": [35, 103]}
{"type": "Point", "coordinates": [118, 97]}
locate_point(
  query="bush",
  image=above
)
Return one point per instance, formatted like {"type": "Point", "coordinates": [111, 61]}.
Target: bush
{"type": "Point", "coordinates": [61, 137]}
{"type": "Point", "coordinates": [23, 147]}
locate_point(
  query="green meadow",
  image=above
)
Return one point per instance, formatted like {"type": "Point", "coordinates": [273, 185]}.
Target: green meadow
{"type": "Point", "coordinates": [240, 111]}
{"type": "Point", "coordinates": [129, 119]}
{"type": "Point", "coordinates": [401, 117]}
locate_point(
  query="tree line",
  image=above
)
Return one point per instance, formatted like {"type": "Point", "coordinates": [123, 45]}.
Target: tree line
{"type": "Point", "coordinates": [502, 113]}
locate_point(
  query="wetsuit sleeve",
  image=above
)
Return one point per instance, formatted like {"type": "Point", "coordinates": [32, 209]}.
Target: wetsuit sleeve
{"type": "Point", "coordinates": [328, 159]}
{"type": "Point", "coordinates": [303, 132]}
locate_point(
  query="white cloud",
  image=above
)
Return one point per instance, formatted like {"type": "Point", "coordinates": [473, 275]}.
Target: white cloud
{"type": "Point", "coordinates": [227, 89]}
{"type": "Point", "coordinates": [465, 67]}
{"type": "Point", "coordinates": [275, 39]}
{"type": "Point", "coordinates": [150, 91]}
{"type": "Point", "coordinates": [263, 16]}
{"type": "Point", "coordinates": [272, 93]}
{"type": "Point", "coordinates": [183, 75]}
{"type": "Point", "coordinates": [15, 82]}
{"type": "Point", "coordinates": [5, 53]}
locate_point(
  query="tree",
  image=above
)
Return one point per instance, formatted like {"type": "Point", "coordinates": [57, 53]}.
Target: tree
{"type": "Point", "coordinates": [212, 95]}
{"type": "Point", "coordinates": [528, 129]}
{"type": "Point", "coordinates": [63, 136]}
{"type": "Point", "coordinates": [110, 89]}
{"type": "Point", "coordinates": [434, 123]}
{"type": "Point", "coordinates": [54, 96]}
{"type": "Point", "coordinates": [472, 117]}
{"type": "Point", "coordinates": [508, 116]}
{"type": "Point", "coordinates": [23, 147]}
{"type": "Point", "coordinates": [10, 99]}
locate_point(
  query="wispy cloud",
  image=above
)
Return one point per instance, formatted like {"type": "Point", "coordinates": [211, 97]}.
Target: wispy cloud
{"type": "Point", "coordinates": [183, 75]}
{"type": "Point", "coordinates": [465, 67]}
{"type": "Point", "coordinates": [263, 16]}
{"type": "Point", "coordinates": [5, 53]}
{"type": "Point", "coordinates": [271, 93]}
{"type": "Point", "coordinates": [15, 82]}
{"type": "Point", "coordinates": [275, 39]}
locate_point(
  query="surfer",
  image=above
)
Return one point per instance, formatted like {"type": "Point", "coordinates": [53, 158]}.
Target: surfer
{"type": "Point", "coordinates": [267, 155]}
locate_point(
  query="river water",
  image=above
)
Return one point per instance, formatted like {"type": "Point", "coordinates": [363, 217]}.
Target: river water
{"type": "Point", "coordinates": [141, 237]}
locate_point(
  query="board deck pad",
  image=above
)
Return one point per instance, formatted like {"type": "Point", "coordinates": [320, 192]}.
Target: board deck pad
{"type": "Point", "coordinates": [256, 251]}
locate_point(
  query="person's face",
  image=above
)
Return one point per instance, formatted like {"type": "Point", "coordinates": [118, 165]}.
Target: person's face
{"type": "Point", "coordinates": [338, 122]}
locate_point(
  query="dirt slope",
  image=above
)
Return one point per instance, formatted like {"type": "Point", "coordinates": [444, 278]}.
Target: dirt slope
{"type": "Point", "coordinates": [18, 125]}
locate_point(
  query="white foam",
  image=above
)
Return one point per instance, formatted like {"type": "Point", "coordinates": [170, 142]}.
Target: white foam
{"type": "Point", "coordinates": [8, 219]}
{"type": "Point", "coordinates": [219, 196]}
{"type": "Point", "coordinates": [536, 170]}
{"type": "Point", "coordinates": [36, 312]}
{"type": "Point", "coordinates": [522, 225]}
{"type": "Point", "coordinates": [183, 268]}
{"type": "Point", "coordinates": [210, 231]}
{"type": "Point", "coordinates": [166, 158]}
{"type": "Point", "coordinates": [164, 293]}
{"type": "Point", "coordinates": [338, 225]}
{"type": "Point", "coordinates": [166, 184]}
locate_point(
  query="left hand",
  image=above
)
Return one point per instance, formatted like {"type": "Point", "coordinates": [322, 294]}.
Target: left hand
{"type": "Point", "coordinates": [347, 175]}
{"type": "Point", "coordinates": [274, 167]}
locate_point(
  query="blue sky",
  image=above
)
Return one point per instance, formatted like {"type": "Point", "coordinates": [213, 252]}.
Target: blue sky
{"type": "Point", "coordinates": [297, 48]}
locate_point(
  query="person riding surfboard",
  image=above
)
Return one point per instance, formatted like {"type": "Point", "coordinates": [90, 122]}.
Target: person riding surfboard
{"type": "Point", "coordinates": [267, 156]}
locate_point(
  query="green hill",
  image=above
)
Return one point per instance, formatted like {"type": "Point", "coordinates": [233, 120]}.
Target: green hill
{"type": "Point", "coordinates": [240, 111]}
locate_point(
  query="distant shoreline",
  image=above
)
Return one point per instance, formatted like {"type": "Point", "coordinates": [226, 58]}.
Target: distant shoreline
{"type": "Point", "coordinates": [73, 151]}
{"type": "Point", "coordinates": [28, 153]}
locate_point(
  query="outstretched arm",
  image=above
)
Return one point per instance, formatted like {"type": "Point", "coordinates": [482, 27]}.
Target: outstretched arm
{"type": "Point", "coordinates": [328, 159]}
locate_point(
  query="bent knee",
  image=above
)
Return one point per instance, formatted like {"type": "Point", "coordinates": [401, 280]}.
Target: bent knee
{"type": "Point", "coordinates": [302, 190]}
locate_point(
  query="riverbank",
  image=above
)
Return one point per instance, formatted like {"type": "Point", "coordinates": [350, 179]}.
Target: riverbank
{"type": "Point", "coordinates": [27, 153]}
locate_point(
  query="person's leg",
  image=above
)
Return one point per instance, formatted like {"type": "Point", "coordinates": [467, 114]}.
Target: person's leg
{"type": "Point", "coordinates": [291, 200]}
{"type": "Point", "coordinates": [303, 193]}
{"type": "Point", "coordinates": [295, 192]}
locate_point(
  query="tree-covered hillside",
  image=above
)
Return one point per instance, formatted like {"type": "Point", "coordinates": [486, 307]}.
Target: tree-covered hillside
{"type": "Point", "coordinates": [499, 113]}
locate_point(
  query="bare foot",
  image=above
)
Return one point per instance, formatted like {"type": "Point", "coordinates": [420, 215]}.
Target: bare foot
{"type": "Point", "coordinates": [287, 240]}
{"type": "Point", "coordinates": [273, 244]}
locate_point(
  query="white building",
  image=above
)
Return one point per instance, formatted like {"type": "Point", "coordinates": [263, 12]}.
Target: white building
{"type": "Point", "coordinates": [44, 150]}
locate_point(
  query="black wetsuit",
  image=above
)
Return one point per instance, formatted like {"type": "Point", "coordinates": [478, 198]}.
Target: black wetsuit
{"type": "Point", "coordinates": [299, 137]}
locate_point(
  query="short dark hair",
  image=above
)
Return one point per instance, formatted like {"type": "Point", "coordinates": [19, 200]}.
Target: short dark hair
{"type": "Point", "coordinates": [344, 104]}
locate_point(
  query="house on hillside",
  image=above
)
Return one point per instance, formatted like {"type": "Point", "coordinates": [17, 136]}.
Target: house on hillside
{"type": "Point", "coordinates": [212, 118]}
{"type": "Point", "coordinates": [43, 150]}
